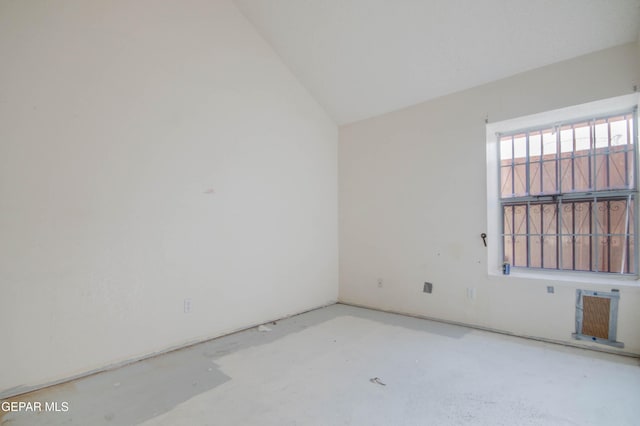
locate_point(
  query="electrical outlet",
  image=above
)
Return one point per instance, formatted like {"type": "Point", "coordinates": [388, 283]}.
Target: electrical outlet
{"type": "Point", "coordinates": [187, 306]}
{"type": "Point", "coordinates": [471, 293]}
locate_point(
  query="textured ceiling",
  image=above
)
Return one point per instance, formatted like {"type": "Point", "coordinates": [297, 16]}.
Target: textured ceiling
{"type": "Point", "coordinates": [362, 58]}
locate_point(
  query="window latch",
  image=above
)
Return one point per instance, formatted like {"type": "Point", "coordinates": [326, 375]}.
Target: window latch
{"type": "Point", "coordinates": [484, 238]}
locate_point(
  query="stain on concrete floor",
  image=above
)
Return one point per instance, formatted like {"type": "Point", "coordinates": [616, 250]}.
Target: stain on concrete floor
{"type": "Point", "coordinates": [315, 368]}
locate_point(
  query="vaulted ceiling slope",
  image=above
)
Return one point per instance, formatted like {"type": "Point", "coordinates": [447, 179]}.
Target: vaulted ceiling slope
{"type": "Point", "coordinates": [362, 58]}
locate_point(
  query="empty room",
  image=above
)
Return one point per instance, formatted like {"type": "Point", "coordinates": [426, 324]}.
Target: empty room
{"type": "Point", "coordinates": [328, 212]}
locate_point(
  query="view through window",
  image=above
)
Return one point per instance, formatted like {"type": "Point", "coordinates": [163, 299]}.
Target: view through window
{"type": "Point", "coordinates": [568, 193]}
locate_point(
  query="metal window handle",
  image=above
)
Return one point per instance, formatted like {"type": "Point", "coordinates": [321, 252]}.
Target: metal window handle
{"type": "Point", "coordinates": [484, 238]}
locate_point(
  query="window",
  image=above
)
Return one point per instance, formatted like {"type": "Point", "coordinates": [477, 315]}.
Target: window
{"type": "Point", "coordinates": [567, 195]}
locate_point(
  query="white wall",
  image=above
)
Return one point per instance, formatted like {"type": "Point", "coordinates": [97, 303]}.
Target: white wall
{"type": "Point", "coordinates": [637, 79]}
{"type": "Point", "coordinates": [413, 203]}
{"type": "Point", "coordinates": [152, 151]}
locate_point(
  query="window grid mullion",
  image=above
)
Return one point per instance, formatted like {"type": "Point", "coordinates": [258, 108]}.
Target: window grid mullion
{"type": "Point", "coordinates": [528, 232]}
{"type": "Point", "coordinates": [573, 230]}
{"type": "Point", "coordinates": [528, 192]}
{"type": "Point", "coordinates": [573, 158]}
{"type": "Point", "coordinates": [541, 236]}
{"type": "Point", "coordinates": [608, 155]}
{"type": "Point", "coordinates": [592, 161]}
{"type": "Point", "coordinates": [626, 260]}
{"type": "Point", "coordinates": [594, 232]}
{"type": "Point", "coordinates": [559, 205]}
{"type": "Point", "coordinates": [634, 183]}
{"type": "Point", "coordinates": [513, 166]}
{"type": "Point", "coordinates": [608, 239]}
{"type": "Point", "coordinates": [513, 236]}
{"type": "Point", "coordinates": [626, 154]}
{"type": "Point", "coordinates": [559, 261]}
{"type": "Point", "coordinates": [541, 163]}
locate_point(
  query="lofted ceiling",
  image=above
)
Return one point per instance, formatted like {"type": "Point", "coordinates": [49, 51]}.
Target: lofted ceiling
{"type": "Point", "coordinates": [361, 58]}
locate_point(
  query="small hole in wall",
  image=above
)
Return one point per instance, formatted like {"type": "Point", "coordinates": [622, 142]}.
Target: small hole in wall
{"type": "Point", "coordinates": [428, 287]}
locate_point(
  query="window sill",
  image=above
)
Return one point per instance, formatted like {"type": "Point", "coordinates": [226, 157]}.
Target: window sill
{"type": "Point", "coordinates": [570, 276]}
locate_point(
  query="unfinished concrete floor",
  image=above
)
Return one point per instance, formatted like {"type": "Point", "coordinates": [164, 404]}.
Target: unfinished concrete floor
{"type": "Point", "coordinates": [316, 369]}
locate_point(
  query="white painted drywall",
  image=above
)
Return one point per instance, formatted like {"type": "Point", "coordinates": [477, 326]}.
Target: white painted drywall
{"type": "Point", "coordinates": [363, 58]}
{"type": "Point", "coordinates": [152, 152]}
{"type": "Point", "coordinates": [413, 203]}
{"type": "Point", "coordinates": [638, 62]}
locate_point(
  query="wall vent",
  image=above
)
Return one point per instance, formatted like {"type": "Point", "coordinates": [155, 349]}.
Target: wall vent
{"type": "Point", "coordinates": [597, 317]}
